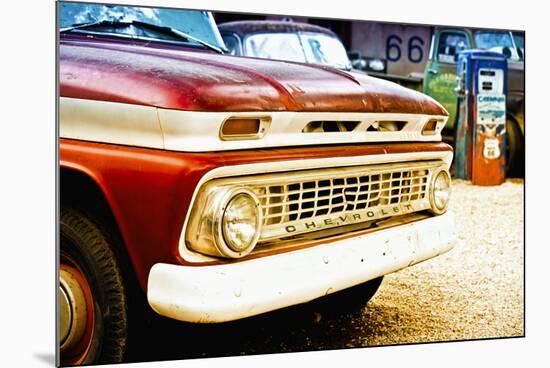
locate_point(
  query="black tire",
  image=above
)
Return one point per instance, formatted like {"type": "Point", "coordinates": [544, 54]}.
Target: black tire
{"type": "Point", "coordinates": [348, 301]}
{"type": "Point", "coordinates": [515, 150]}
{"type": "Point", "coordinates": [85, 246]}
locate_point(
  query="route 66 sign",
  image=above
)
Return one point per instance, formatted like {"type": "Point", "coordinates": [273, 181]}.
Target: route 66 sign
{"type": "Point", "coordinates": [491, 148]}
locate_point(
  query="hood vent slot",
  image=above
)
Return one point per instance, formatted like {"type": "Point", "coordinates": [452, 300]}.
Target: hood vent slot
{"type": "Point", "coordinates": [386, 126]}
{"type": "Point", "coordinates": [330, 126]}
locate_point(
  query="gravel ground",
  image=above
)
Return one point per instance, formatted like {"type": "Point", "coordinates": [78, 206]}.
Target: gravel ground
{"type": "Point", "coordinates": [474, 291]}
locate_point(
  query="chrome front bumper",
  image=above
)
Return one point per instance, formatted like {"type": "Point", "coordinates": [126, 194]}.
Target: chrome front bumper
{"type": "Point", "coordinates": [219, 293]}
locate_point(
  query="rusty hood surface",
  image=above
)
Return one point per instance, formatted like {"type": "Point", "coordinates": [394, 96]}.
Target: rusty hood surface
{"type": "Point", "coordinates": [192, 80]}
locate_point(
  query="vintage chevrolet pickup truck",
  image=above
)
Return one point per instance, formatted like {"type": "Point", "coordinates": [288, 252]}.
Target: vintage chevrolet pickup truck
{"type": "Point", "coordinates": [218, 187]}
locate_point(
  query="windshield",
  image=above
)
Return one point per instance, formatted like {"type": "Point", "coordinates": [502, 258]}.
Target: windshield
{"type": "Point", "coordinates": [198, 24]}
{"type": "Point", "coordinates": [313, 48]}
{"type": "Point", "coordinates": [496, 41]}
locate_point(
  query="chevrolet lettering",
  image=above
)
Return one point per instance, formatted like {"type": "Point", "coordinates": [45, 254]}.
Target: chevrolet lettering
{"type": "Point", "coordinates": [350, 218]}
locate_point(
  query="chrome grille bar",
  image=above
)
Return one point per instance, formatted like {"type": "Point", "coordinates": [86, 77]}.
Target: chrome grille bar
{"type": "Point", "coordinates": [308, 201]}
{"type": "Point", "coordinates": [324, 197]}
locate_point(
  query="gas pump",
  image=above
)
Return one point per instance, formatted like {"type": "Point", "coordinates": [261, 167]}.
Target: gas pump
{"type": "Point", "coordinates": [480, 130]}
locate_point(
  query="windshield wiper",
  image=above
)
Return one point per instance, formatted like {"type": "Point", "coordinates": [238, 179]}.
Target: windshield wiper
{"type": "Point", "coordinates": [175, 31]}
{"type": "Point", "coordinates": [165, 29]}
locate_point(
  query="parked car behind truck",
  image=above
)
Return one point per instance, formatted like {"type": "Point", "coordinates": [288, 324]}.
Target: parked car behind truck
{"type": "Point", "coordinates": [285, 40]}
{"type": "Point", "coordinates": [214, 187]}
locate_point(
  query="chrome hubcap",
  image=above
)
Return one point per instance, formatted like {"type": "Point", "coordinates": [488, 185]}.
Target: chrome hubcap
{"type": "Point", "coordinates": [65, 316]}
{"type": "Point", "coordinates": [72, 309]}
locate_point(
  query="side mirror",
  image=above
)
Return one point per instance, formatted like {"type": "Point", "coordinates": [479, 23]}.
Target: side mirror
{"type": "Point", "coordinates": [507, 52]}
{"type": "Point", "coordinates": [460, 88]}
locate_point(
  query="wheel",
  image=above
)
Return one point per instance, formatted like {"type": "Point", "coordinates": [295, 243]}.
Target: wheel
{"type": "Point", "coordinates": [348, 301]}
{"type": "Point", "coordinates": [92, 303]}
{"type": "Point", "coordinates": [515, 154]}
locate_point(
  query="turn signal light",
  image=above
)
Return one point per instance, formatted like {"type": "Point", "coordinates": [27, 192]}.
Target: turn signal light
{"type": "Point", "coordinates": [241, 126]}
{"type": "Point", "coordinates": [244, 128]}
{"type": "Point", "coordinates": [430, 128]}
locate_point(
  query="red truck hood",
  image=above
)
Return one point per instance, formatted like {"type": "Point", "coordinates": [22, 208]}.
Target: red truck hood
{"type": "Point", "coordinates": [203, 81]}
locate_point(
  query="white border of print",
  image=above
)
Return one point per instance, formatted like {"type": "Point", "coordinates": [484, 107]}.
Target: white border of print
{"type": "Point", "coordinates": [27, 202]}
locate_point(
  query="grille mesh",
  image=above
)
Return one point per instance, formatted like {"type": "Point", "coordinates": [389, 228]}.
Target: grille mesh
{"type": "Point", "coordinates": [297, 200]}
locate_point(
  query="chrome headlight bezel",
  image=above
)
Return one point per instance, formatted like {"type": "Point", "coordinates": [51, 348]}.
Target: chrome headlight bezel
{"type": "Point", "coordinates": [208, 231]}
{"type": "Point", "coordinates": [435, 208]}
{"type": "Point", "coordinates": [222, 242]}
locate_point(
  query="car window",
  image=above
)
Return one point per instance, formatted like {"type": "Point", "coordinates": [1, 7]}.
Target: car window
{"type": "Point", "coordinates": [496, 41]}
{"type": "Point", "coordinates": [232, 44]}
{"type": "Point", "coordinates": [279, 46]}
{"type": "Point", "coordinates": [450, 45]}
{"type": "Point", "coordinates": [325, 50]}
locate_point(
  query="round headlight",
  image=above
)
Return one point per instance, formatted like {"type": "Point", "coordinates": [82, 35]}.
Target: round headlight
{"type": "Point", "coordinates": [440, 192]}
{"type": "Point", "coordinates": [241, 223]}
